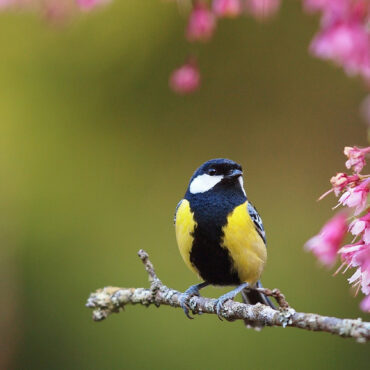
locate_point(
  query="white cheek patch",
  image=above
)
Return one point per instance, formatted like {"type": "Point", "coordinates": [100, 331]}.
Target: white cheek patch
{"type": "Point", "coordinates": [242, 184]}
{"type": "Point", "coordinates": [203, 183]}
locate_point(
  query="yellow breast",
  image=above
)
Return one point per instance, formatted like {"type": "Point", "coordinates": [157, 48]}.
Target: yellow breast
{"type": "Point", "coordinates": [185, 225]}
{"type": "Point", "coordinates": [246, 247]}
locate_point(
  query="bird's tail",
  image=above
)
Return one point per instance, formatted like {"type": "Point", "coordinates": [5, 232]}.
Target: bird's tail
{"type": "Point", "coordinates": [251, 296]}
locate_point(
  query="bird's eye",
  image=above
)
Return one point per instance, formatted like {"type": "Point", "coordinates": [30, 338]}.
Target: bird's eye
{"type": "Point", "coordinates": [212, 172]}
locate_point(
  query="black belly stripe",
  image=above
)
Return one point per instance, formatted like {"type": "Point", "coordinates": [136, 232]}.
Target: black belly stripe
{"type": "Point", "coordinates": [212, 261]}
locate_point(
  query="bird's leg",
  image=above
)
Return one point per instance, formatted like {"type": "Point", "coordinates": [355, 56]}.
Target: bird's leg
{"type": "Point", "coordinates": [230, 295]}
{"type": "Point", "coordinates": [185, 297]}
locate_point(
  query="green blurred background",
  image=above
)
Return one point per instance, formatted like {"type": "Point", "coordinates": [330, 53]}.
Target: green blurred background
{"type": "Point", "coordinates": [96, 152]}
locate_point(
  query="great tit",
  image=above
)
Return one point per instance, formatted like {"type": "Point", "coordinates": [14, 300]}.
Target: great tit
{"type": "Point", "coordinates": [220, 234]}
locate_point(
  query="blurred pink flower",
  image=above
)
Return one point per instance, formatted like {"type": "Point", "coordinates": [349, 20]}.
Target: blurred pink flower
{"type": "Point", "coordinates": [262, 9]}
{"type": "Point", "coordinates": [356, 157]}
{"type": "Point", "coordinates": [320, 5]}
{"type": "Point", "coordinates": [331, 9]}
{"type": "Point", "coordinates": [6, 3]}
{"type": "Point", "coordinates": [185, 79]}
{"type": "Point", "coordinates": [356, 197]}
{"type": "Point", "coordinates": [227, 8]}
{"type": "Point", "coordinates": [365, 304]}
{"type": "Point", "coordinates": [344, 36]}
{"type": "Point", "coordinates": [334, 11]}
{"type": "Point", "coordinates": [201, 23]}
{"type": "Point", "coordinates": [325, 245]}
{"type": "Point", "coordinates": [90, 4]}
{"type": "Point", "coordinates": [346, 43]}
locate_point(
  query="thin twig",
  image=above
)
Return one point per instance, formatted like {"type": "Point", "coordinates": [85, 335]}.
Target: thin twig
{"type": "Point", "coordinates": [280, 297]}
{"type": "Point", "coordinates": [113, 299]}
{"type": "Point", "coordinates": [148, 265]}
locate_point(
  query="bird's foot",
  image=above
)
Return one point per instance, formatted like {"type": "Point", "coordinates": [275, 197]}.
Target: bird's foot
{"type": "Point", "coordinates": [187, 295]}
{"type": "Point", "coordinates": [221, 301]}
{"type": "Point", "coordinates": [230, 295]}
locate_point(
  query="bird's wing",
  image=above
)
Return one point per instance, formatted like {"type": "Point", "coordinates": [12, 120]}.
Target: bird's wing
{"type": "Point", "coordinates": [177, 207]}
{"type": "Point", "coordinates": [257, 221]}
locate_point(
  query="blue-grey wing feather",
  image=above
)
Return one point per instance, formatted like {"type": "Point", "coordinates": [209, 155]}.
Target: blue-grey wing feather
{"type": "Point", "coordinates": [257, 221]}
{"type": "Point", "coordinates": [177, 207]}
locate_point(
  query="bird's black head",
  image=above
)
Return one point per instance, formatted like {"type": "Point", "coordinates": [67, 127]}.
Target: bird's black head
{"type": "Point", "coordinates": [217, 174]}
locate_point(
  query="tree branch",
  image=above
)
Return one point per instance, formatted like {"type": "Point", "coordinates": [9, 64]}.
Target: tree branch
{"type": "Point", "coordinates": [113, 299]}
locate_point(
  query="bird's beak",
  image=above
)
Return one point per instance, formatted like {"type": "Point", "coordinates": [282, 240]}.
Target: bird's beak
{"type": "Point", "coordinates": [234, 174]}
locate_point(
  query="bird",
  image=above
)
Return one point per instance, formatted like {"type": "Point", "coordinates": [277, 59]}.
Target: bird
{"type": "Point", "coordinates": [220, 235]}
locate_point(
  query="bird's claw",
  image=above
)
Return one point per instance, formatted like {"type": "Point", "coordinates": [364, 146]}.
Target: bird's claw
{"type": "Point", "coordinates": [221, 301]}
{"type": "Point", "coordinates": [228, 296]}
{"type": "Point", "coordinates": [184, 303]}
{"type": "Point", "coordinates": [185, 297]}
{"type": "Point", "coordinates": [220, 305]}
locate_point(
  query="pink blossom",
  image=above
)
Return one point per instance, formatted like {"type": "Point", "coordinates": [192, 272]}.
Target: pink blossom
{"type": "Point", "coordinates": [365, 304]}
{"type": "Point", "coordinates": [358, 255]}
{"type": "Point", "coordinates": [344, 36]}
{"type": "Point", "coordinates": [356, 157]}
{"type": "Point", "coordinates": [361, 226]}
{"type": "Point", "coordinates": [262, 9]}
{"type": "Point", "coordinates": [357, 227]}
{"type": "Point", "coordinates": [365, 281]}
{"type": "Point", "coordinates": [185, 79]}
{"type": "Point", "coordinates": [341, 180]}
{"type": "Point", "coordinates": [227, 8]}
{"type": "Point", "coordinates": [363, 260]}
{"type": "Point", "coordinates": [350, 253]}
{"type": "Point", "coordinates": [325, 245]}
{"type": "Point", "coordinates": [201, 24]}
{"type": "Point", "coordinates": [356, 197]}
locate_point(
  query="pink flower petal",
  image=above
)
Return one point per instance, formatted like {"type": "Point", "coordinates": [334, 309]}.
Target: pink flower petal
{"type": "Point", "coordinates": [356, 156]}
{"type": "Point", "coordinates": [201, 24]}
{"type": "Point", "coordinates": [365, 304]}
{"type": "Point", "coordinates": [357, 227]}
{"type": "Point", "coordinates": [325, 245]}
{"type": "Point", "coordinates": [356, 197]}
{"type": "Point", "coordinates": [356, 276]}
{"type": "Point", "coordinates": [227, 8]}
{"type": "Point", "coordinates": [185, 79]}
{"type": "Point", "coordinates": [366, 236]}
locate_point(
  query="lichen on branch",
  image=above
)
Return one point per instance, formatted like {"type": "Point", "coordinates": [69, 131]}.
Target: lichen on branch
{"type": "Point", "coordinates": [113, 299]}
